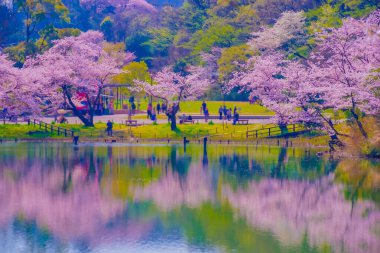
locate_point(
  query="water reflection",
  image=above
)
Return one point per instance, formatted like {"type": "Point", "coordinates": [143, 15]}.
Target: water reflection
{"type": "Point", "coordinates": [102, 198]}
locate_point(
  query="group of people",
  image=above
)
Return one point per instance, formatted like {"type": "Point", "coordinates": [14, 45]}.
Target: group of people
{"type": "Point", "coordinates": [152, 111]}
{"type": "Point", "coordinates": [226, 113]}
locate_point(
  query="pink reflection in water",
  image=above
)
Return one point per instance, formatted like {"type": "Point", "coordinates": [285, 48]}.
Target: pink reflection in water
{"type": "Point", "coordinates": [291, 208]}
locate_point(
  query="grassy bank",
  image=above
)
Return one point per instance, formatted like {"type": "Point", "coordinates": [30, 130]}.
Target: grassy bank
{"type": "Point", "coordinates": [162, 132]}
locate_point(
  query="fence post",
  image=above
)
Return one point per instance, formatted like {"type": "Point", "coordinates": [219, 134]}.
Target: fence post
{"type": "Point", "coordinates": [269, 131]}
{"type": "Point", "coordinates": [52, 128]}
{"type": "Point", "coordinates": [46, 127]}
{"type": "Point", "coordinates": [257, 134]}
{"type": "Point", "coordinates": [65, 133]}
{"type": "Point", "coordinates": [294, 127]}
{"type": "Point", "coordinates": [40, 125]}
{"type": "Point", "coordinates": [59, 130]}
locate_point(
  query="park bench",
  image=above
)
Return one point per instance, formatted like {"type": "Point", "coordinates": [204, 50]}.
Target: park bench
{"type": "Point", "coordinates": [110, 140]}
{"type": "Point", "coordinates": [131, 123]}
{"type": "Point", "coordinates": [13, 119]}
{"type": "Point", "coordinates": [188, 121]}
{"type": "Point", "coordinates": [242, 122]}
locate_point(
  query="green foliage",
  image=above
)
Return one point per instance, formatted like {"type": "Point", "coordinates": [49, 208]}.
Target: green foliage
{"type": "Point", "coordinates": [138, 43]}
{"type": "Point", "coordinates": [37, 11]}
{"type": "Point", "coordinates": [160, 41]}
{"type": "Point", "coordinates": [231, 58]}
{"type": "Point", "coordinates": [133, 71]}
{"type": "Point", "coordinates": [50, 33]}
{"type": "Point", "coordinates": [331, 13]}
{"type": "Point", "coordinates": [323, 17]}
{"type": "Point", "coordinates": [17, 53]}
{"type": "Point", "coordinates": [106, 26]}
{"type": "Point", "coordinates": [174, 36]}
{"type": "Point", "coordinates": [218, 35]}
{"type": "Point", "coordinates": [193, 18]}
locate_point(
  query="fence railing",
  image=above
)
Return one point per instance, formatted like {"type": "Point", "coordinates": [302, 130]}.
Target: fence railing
{"type": "Point", "coordinates": [275, 131]}
{"type": "Point", "coordinates": [51, 128]}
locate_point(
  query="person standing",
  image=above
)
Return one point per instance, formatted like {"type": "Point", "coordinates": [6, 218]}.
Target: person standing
{"type": "Point", "coordinates": [220, 112]}
{"type": "Point", "coordinates": [235, 110]}
{"type": "Point", "coordinates": [149, 111]}
{"type": "Point", "coordinates": [204, 107]}
{"type": "Point", "coordinates": [131, 100]}
{"type": "Point", "coordinates": [236, 118]}
{"type": "Point", "coordinates": [154, 115]}
{"type": "Point", "coordinates": [206, 114]}
{"type": "Point", "coordinates": [133, 108]}
{"type": "Point", "coordinates": [183, 119]}
{"type": "Point", "coordinates": [163, 108]}
{"type": "Point", "coordinates": [109, 128]}
{"type": "Point", "coordinates": [130, 112]}
{"type": "Point", "coordinates": [229, 114]}
{"type": "Point", "coordinates": [158, 108]}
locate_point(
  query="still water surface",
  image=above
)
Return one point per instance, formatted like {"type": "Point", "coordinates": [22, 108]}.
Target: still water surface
{"type": "Point", "coordinates": [160, 198]}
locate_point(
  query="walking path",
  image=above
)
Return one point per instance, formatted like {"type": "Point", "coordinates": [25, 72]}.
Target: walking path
{"type": "Point", "coordinates": [121, 118]}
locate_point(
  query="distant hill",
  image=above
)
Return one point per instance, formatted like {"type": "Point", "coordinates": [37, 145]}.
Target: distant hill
{"type": "Point", "coordinates": [160, 3]}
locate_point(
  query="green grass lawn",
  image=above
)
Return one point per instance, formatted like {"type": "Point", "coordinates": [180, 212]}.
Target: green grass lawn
{"type": "Point", "coordinates": [23, 132]}
{"type": "Point", "coordinates": [162, 132]}
{"type": "Point", "coordinates": [152, 131]}
{"type": "Point", "coordinates": [193, 107]}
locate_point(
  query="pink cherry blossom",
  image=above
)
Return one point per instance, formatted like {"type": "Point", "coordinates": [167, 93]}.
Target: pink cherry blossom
{"type": "Point", "coordinates": [76, 66]}
{"type": "Point", "coordinates": [341, 74]}
{"type": "Point", "coordinates": [17, 95]}
{"type": "Point", "coordinates": [175, 87]}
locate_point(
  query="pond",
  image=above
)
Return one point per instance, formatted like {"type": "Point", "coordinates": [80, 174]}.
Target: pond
{"type": "Point", "coordinates": [161, 198]}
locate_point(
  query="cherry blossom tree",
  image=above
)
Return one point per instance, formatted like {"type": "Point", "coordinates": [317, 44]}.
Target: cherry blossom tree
{"type": "Point", "coordinates": [17, 96]}
{"type": "Point", "coordinates": [210, 64]}
{"type": "Point", "coordinates": [288, 30]}
{"type": "Point", "coordinates": [76, 66]}
{"type": "Point", "coordinates": [345, 64]}
{"type": "Point", "coordinates": [342, 74]}
{"type": "Point", "coordinates": [262, 76]}
{"type": "Point", "coordinates": [174, 88]}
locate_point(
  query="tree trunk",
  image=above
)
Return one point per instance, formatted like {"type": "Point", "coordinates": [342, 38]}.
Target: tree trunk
{"type": "Point", "coordinates": [173, 122]}
{"type": "Point", "coordinates": [172, 117]}
{"type": "Point", "coordinates": [330, 124]}
{"type": "Point", "coordinates": [86, 122]}
{"type": "Point", "coordinates": [359, 123]}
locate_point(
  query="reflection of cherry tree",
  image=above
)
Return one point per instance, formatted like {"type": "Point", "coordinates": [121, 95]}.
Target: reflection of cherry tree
{"type": "Point", "coordinates": [171, 191]}
{"type": "Point", "coordinates": [291, 208]}
{"type": "Point", "coordinates": [77, 214]}
{"type": "Point", "coordinates": [60, 197]}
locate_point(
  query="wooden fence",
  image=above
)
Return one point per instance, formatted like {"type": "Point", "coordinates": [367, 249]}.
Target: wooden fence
{"type": "Point", "coordinates": [275, 131]}
{"type": "Point", "coordinates": [51, 128]}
